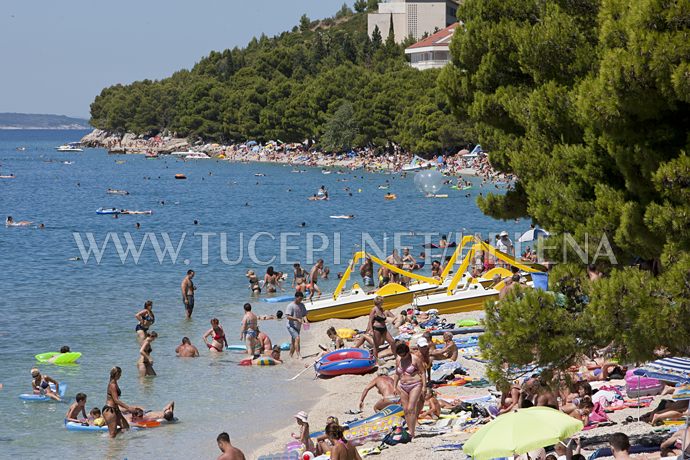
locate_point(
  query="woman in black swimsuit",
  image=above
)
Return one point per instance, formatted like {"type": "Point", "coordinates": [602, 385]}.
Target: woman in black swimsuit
{"type": "Point", "coordinates": [111, 411]}
{"type": "Point", "coordinates": [146, 319]}
{"type": "Point", "coordinates": [377, 325]}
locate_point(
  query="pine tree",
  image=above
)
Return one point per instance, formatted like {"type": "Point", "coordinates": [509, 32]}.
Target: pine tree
{"type": "Point", "coordinates": [304, 23]}
{"type": "Point", "coordinates": [376, 38]}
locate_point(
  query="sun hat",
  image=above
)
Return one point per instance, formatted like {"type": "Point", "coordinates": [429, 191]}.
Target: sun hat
{"type": "Point", "coordinates": [301, 415]}
{"type": "Point", "coordinates": [503, 233]}
{"type": "Point", "coordinates": [421, 342]}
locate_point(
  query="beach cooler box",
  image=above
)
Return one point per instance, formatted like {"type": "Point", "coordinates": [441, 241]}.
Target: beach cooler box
{"type": "Point", "coordinates": [637, 386]}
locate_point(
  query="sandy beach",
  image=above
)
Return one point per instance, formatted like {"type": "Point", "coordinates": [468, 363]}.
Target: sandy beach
{"type": "Point", "coordinates": [341, 394]}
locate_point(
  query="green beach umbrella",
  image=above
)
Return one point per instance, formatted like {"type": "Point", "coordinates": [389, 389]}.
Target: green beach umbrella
{"type": "Point", "coordinates": [520, 432]}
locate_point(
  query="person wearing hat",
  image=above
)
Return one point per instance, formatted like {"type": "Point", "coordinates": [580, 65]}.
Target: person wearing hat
{"type": "Point", "coordinates": [303, 422]}
{"type": "Point", "coordinates": [422, 349]}
{"type": "Point", "coordinates": [253, 282]}
{"type": "Point", "coordinates": [504, 244]}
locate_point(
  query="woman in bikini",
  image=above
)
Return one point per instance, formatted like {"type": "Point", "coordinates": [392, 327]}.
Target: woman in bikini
{"type": "Point", "coordinates": [410, 381]}
{"type": "Point", "coordinates": [377, 325]}
{"type": "Point", "coordinates": [111, 411]}
{"type": "Point", "coordinates": [146, 319]}
{"type": "Point", "coordinates": [219, 341]}
{"type": "Point", "coordinates": [145, 363]}
{"type": "Point", "coordinates": [41, 385]}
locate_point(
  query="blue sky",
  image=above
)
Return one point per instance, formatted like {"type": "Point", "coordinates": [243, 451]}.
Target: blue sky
{"type": "Point", "coordinates": [57, 55]}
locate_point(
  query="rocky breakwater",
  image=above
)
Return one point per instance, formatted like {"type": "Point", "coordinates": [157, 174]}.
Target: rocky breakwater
{"type": "Point", "coordinates": [131, 143]}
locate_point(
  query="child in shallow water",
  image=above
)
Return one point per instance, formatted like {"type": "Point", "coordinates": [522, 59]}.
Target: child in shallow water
{"type": "Point", "coordinates": [95, 417]}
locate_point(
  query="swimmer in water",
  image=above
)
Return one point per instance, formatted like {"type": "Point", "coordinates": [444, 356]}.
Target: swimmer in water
{"type": "Point", "coordinates": [10, 222]}
{"type": "Point", "coordinates": [186, 349]}
{"type": "Point", "coordinates": [63, 350]}
{"type": "Point", "coordinates": [41, 385]}
{"type": "Point", "coordinates": [138, 415]}
{"type": "Point", "coordinates": [278, 316]}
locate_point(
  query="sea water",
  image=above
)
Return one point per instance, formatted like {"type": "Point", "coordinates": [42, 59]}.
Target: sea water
{"type": "Point", "coordinates": [49, 300]}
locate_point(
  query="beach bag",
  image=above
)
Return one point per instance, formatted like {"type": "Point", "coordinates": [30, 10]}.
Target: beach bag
{"type": "Point", "coordinates": [397, 435]}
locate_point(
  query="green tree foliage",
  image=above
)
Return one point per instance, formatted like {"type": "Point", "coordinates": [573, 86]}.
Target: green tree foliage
{"type": "Point", "coordinates": [290, 87]}
{"type": "Point", "coordinates": [341, 129]}
{"type": "Point", "coordinates": [360, 6]}
{"type": "Point", "coordinates": [586, 102]}
{"type": "Point", "coordinates": [304, 23]}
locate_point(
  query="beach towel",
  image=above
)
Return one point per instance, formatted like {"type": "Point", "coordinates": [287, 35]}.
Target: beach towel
{"type": "Point", "coordinates": [598, 415]}
{"type": "Point", "coordinates": [445, 369]}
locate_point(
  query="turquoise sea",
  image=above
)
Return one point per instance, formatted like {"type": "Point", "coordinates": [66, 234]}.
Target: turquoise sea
{"type": "Point", "coordinates": [49, 301]}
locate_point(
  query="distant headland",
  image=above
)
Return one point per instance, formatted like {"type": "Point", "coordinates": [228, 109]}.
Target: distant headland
{"type": "Point", "coordinates": [41, 121]}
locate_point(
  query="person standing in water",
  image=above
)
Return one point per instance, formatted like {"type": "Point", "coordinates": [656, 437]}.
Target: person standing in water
{"type": "Point", "coordinates": [188, 293]}
{"type": "Point", "coordinates": [145, 363]}
{"type": "Point", "coordinates": [186, 349]}
{"type": "Point", "coordinates": [111, 411]}
{"type": "Point", "coordinates": [249, 329]}
{"type": "Point", "coordinates": [219, 341]}
{"type": "Point", "coordinates": [296, 313]}
{"type": "Point", "coordinates": [230, 452]}
{"type": "Point", "coordinates": [146, 319]}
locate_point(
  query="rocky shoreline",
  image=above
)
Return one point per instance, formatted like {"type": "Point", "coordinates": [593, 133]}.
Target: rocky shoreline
{"type": "Point", "coordinates": [293, 154]}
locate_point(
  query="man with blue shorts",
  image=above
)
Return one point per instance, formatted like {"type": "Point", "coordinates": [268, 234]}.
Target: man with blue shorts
{"type": "Point", "coordinates": [296, 314]}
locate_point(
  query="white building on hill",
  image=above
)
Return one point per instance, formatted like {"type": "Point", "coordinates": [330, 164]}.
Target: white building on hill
{"type": "Point", "coordinates": [412, 17]}
{"type": "Point", "coordinates": [433, 52]}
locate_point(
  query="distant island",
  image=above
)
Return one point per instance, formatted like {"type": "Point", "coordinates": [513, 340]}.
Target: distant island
{"type": "Point", "coordinates": [41, 121]}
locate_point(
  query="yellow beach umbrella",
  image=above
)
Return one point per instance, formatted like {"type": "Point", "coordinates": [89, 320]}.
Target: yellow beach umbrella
{"type": "Point", "coordinates": [520, 432]}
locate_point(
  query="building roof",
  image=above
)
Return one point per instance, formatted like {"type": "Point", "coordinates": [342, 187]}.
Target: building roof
{"type": "Point", "coordinates": [440, 38]}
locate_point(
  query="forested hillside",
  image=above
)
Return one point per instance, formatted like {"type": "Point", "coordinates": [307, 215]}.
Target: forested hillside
{"type": "Point", "coordinates": [324, 80]}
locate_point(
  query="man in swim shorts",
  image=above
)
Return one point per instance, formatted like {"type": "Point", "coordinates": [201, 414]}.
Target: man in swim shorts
{"type": "Point", "coordinates": [188, 293]}
{"type": "Point", "coordinates": [296, 314]}
{"type": "Point", "coordinates": [314, 274]}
